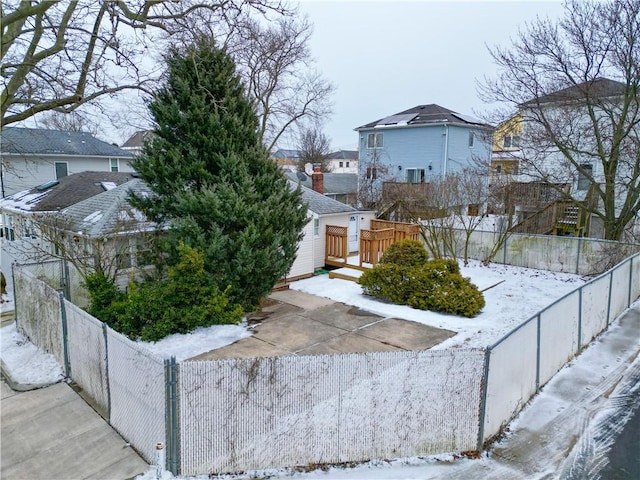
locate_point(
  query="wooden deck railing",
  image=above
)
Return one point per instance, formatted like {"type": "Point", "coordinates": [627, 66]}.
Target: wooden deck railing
{"type": "Point", "coordinates": [402, 230]}
{"type": "Point", "coordinates": [373, 243]}
{"type": "Point", "coordinates": [336, 245]}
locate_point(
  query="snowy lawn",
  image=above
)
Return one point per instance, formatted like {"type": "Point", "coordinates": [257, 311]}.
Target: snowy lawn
{"type": "Point", "coordinates": [513, 295]}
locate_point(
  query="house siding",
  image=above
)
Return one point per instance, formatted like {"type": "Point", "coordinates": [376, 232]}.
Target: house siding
{"type": "Point", "coordinates": [424, 147]}
{"type": "Point", "coordinates": [24, 172]}
{"type": "Point", "coordinates": [304, 264]}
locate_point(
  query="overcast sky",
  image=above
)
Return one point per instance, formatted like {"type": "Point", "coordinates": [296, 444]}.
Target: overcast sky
{"type": "Point", "coordinates": [388, 56]}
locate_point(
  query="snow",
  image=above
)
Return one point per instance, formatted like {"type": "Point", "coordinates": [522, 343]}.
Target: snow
{"type": "Point", "coordinates": [512, 295]}
{"type": "Point", "coordinates": [27, 363]}
{"type": "Point", "coordinates": [94, 217]}
{"type": "Point", "coordinates": [201, 340]}
{"type": "Point", "coordinates": [23, 200]}
{"type": "Point", "coordinates": [108, 185]}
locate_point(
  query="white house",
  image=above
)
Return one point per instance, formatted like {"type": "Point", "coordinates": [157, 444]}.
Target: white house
{"type": "Point", "coordinates": [325, 211]}
{"type": "Point", "coordinates": [34, 156]}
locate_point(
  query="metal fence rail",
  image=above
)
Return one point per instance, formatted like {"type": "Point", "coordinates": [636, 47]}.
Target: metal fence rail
{"type": "Point", "coordinates": [529, 356]}
{"type": "Point", "coordinates": [88, 354]}
{"type": "Point", "coordinates": [244, 414]}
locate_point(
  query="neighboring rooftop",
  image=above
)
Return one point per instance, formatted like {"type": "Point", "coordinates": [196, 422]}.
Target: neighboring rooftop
{"type": "Point", "coordinates": [596, 88]}
{"type": "Point", "coordinates": [284, 153]}
{"type": "Point", "coordinates": [334, 183]}
{"type": "Point", "coordinates": [343, 155]}
{"type": "Point", "coordinates": [137, 140]}
{"type": "Point", "coordinates": [39, 141]}
{"type": "Point", "coordinates": [320, 204]}
{"type": "Point", "coordinates": [109, 211]}
{"type": "Point", "coordinates": [424, 115]}
{"type": "Point", "coordinates": [67, 191]}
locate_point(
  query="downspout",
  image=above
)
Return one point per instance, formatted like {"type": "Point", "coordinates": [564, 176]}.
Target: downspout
{"type": "Point", "coordinates": [446, 151]}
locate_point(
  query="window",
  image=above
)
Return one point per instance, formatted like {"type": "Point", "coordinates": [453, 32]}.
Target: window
{"type": "Point", "coordinates": [316, 227]}
{"type": "Point", "coordinates": [584, 176]}
{"type": "Point", "coordinates": [113, 163]}
{"type": "Point", "coordinates": [61, 170]}
{"type": "Point", "coordinates": [375, 140]}
{"type": "Point", "coordinates": [347, 164]}
{"type": "Point", "coordinates": [511, 141]}
{"type": "Point", "coordinates": [415, 175]}
{"type": "Point", "coordinates": [498, 169]}
{"type": "Point", "coordinates": [340, 164]}
{"type": "Point", "coordinates": [472, 139]}
{"type": "Point", "coordinates": [123, 253]}
{"type": "Point", "coordinates": [372, 173]}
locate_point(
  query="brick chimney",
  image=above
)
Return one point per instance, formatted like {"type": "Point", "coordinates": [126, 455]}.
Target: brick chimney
{"type": "Point", "coordinates": [317, 179]}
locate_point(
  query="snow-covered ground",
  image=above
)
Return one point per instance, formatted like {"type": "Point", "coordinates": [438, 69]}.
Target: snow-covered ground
{"type": "Point", "coordinates": [512, 295]}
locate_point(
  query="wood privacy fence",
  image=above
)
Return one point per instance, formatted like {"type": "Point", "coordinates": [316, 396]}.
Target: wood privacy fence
{"type": "Point", "coordinates": [241, 414]}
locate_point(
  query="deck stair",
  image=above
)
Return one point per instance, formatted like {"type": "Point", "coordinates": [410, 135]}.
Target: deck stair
{"type": "Point", "coordinates": [346, 273]}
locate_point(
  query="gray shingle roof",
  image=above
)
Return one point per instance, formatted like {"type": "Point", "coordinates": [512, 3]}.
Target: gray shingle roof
{"type": "Point", "coordinates": [424, 115]}
{"type": "Point", "coordinates": [334, 183]}
{"type": "Point", "coordinates": [597, 88]}
{"type": "Point", "coordinates": [320, 204]}
{"type": "Point", "coordinates": [137, 139]}
{"type": "Point", "coordinates": [69, 191]}
{"type": "Point", "coordinates": [109, 212]}
{"type": "Point", "coordinates": [38, 141]}
{"type": "Point", "coordinates": [343, 155]}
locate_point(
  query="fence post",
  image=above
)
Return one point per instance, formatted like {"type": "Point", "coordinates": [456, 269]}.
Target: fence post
{"type": "Point", "coordinates": [171, 398]}
{"type": "Point", "coordinates": [609, 300]}
{"type": "Point", "coordinates": [106, 369]}
{"type": "Point", "coordinates": [578, 256]}
{"type": "Point", "coordinates": [65, 336]}
{"type": "Point", "coordinates": [579, 320]}
{"type": "Point", "coordinates": [630, 281]}
{"type": "Point", "coordinates": [15, 293]}
{"type": "Point", "coordinates": [483, 397]}
{"type": "Point", "coordinates": [504, 251]}
{"type": "Point", "coordinates": [539, 322]}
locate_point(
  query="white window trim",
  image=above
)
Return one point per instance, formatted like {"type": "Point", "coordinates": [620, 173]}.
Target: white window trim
{"type": "Point", "coordinates": [421, 178]}
{"type": "Point", "coordinates": [376, 143]}
{"type": "Point", "coordinates": [111, 164]}
{"type": "Point", "coordinates": [472, 139]}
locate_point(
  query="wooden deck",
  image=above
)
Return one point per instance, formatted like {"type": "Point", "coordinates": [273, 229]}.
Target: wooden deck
{"type": "Point", "coordinates": [373, 244]}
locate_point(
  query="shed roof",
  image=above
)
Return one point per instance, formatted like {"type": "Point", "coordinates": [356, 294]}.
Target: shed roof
{"type": "Point", "coordinates": [321, 204]}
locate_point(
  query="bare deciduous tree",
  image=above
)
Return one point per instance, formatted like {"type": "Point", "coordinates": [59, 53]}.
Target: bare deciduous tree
{"type": "Point", "coordinates": [576, 83]}
{"type": "Point", "coordinates": [278, 68]}
{"type": "Point", "coordinates": [314, 148]}
{"type": "Point", "coordinates": [70, 122]}
{"type": "Point", "coordinates": [60, 55]}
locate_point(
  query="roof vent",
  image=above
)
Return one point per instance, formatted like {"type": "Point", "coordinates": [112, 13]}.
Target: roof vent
{"type": "Point", "coordinates": [47, 186]}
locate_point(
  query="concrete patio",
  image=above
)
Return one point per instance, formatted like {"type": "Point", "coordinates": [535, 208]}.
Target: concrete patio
{"type": "Point", "coordinates": [298, 323]}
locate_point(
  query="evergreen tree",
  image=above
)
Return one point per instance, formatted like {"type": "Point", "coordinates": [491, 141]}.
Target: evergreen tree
{"type": "Point", "coordinates": [213, 179]}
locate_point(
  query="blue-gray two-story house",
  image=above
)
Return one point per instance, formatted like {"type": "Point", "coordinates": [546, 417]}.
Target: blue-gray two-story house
{"type": "Point", "coordinates": [421, 143]}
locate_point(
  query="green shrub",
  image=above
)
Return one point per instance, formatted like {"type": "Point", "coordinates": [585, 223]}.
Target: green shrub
{"type": "Point", "coordinates": [406, 253]}
{"type": "Point", "coordinates": [447, 264]}
{"type": "Point", "coordinates": [387, 281]}
{"type": "Point", "coordinates": [436, 285]}
{"type": "Point", "coordinates": [184, 300]}
{"type": "Point", "coordinates": [452, 294]}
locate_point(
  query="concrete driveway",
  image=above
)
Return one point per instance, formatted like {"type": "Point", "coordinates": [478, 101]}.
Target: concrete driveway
{"type": "Point", "coordinates": [298, 323]}
{"type": "Point", "coordinates": [51, 433]}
